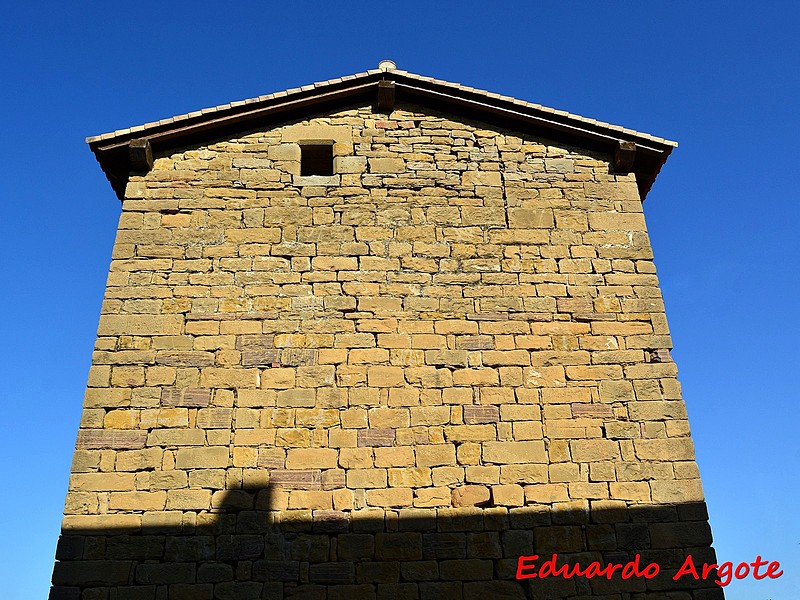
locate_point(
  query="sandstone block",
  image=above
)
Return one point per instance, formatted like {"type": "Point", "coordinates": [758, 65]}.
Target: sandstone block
{"type": "Point", "coordinates": [311, 458]}
{"type": "Point", "coordinates": [470, 433]}
{"type": "Point", "coordinates": [92, 572]}
{"type": "Point", "coordinates": [315, 376]}
{"type": "Point", "coordinates": [594, 450]}
{"type": "Point", "coordinates": [530, 218]}
{"type": "Point", "coordinates": [163, 480]}
{"type": "Point", "coordinates": [470, 495]}
{"type": "Point", "coordinates": [388, 418]}
{"type": "Point", "coordinates": [483, 216]}
{"type": "Point", "coordinates": [202, 458]}
{"type": "Point", "coordinates": [176, 437]}
{"type": "Point", "coordinates": [410, 477]}
{"type": "Point", "coordinates": [401, 546]}
{"type": "Point", "coordinates": [309, 479]}
{"type": "Point", "coordinates": [508, 495]}
{"type": "Point", "coordinates": [667, 449]}
{"type": "Point", "coordinates": [475, 342]}
{"type": "Point", "coordinates": [475, 377]}
{"type": "Point", "coordinates": [390, 497]}
{"type": "Point", "coordinates": [215, 377]}
{"type": "Point", "coordinates": [184, 358]}
{"type": "Point", "coordinates": [102, 482]}
{"type": "Point", "coordinates": [298, 397]}
{"type": "Point", "coordinates": [476, 178]}
{"type": "Point", "coordinates": [355, 458]}
{"type": "Point", "coordinates": [110, 438]}
{"type": "Point", "coordinates": [81, 503]}
{"type": "Point", "coordinates": [481, 414]}
{"type": "Point", "coordinates": [482, 474]}
{"type": "Point", "coordinates": [466, 570]}
{"type": "Point", "coordinates": [657, 411]}
{"type": "Point", "coordinates": [455, 358]}
{"type": "Point", "coordinates": [602, 221]}
{"type": "Point", "coordinates": [187, 397]}
{"type": "Point", "coordinates": [307, 133]}
{"type": "Point", "coordinates": [619, 430]}
{"type": "Point", "coordinates": [215, 418]}
{"type": "Point", "coordinates": [678, 491]}
{"type": "Point", "coordinates": [310, 499]}
{"type": "Point", "coordinates": [514, 452]}
{"type": "Point", "coordinates": [435, 455]}
{"type": "Point", "coordinates": [387, 165]}
{"type": "Point", "coordinates": [633, 491]}
{"type": "Point", "coordinates": [140, 325]}
{"type": "Point", "coordinates": [376, 437]}
{"type": "Point", "coordinates": [429, 415]}
{"type": "Point", "coordinates": [261, 358]}
{"type": "Point", "coordinates": [139, 460]}
{"type": "Point", "coordinates": [349, 164]}
{"type": "Point", "coordinates": [394, 457]}
{"type": "Point", "coordinates": [164, 417]}
{"type": "Point", "coordinates": [432, 497]}
{"type": "Point", "coordinates": [378, 376]}
{"type": "Point", "coordinates": [278, 378]}
{"type": "Point", "coordinates": [547, 493]}
{"type": "Point", "coordinates": [137, 501]}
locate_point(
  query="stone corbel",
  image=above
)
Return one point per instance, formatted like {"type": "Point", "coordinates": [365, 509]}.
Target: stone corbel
{"type": "Point", "coordinates": [140, 155]}
{"type": "Point", "coordinates": [385, 96]}
{"type": "Point", "coordinates": [624, 156]}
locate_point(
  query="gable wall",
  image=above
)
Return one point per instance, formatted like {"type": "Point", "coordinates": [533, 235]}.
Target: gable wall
{"type": "Point", "coordinates": [461, 323]}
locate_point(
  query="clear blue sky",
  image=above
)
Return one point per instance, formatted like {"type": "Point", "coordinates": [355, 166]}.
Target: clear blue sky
{"type": "Point", "coordinates": [721, 78]}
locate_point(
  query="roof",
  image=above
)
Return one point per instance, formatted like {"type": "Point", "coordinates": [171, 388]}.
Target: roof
{"type": "Point", "coordinates": [643, 153]}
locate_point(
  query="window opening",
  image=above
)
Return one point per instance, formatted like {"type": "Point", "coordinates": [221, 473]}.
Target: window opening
{"type": "Point", "coordinates": [316, 159]}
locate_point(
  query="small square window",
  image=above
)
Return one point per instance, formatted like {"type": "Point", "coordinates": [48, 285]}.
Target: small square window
{"type": "Point", "coordinates": [316, 159]}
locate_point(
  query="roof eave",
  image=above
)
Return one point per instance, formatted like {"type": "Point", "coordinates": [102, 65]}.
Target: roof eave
{"type": "Point", "coordinates": [111, 150]}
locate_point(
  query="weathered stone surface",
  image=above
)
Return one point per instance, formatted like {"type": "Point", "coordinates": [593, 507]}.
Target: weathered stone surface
{"type": "Point", "coordinates": [185, 359]}
{"type": "Point", "coordinates": [481, 414]}
{"type": "Point", "coordinates": [389, 382]}
{"type": "Point", "coordinates": [310, 479]}
{"type": "Point", "coordinates": [193, 397]}
{"type": "Point", "coordinates": [261, 358]}
{"type": "Point", "coordinates": [140, 325]}
{"type": "Point", "coordinates": [109, 438]}
{"type": "Point", "coordinates": [470, 495]}
{"type": "Point", "coordinates": [376, 437]}
{"type": "Point", "coordinates": [514, 452]}
{"type": "Point", "coordinates": [202, 458]}
{"type": "Point", "coordinates": [92, 572]}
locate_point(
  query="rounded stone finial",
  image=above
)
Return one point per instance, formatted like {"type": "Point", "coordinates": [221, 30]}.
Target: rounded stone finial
{"type": "Point", "coordinates": [387, 65]}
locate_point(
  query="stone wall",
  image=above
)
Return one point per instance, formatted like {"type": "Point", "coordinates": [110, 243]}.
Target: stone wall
{"type": "Point", "coordinates": [389, 382]}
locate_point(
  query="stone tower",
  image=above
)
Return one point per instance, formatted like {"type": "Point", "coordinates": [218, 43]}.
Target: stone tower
{"type": "Point", "coordinates": [380, 337]}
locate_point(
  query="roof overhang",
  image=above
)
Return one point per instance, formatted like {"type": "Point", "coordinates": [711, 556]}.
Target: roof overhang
{"type": "Point", "coordinates": [130, 150]}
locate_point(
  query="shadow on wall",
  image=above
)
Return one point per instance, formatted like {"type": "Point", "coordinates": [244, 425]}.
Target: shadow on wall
{"type": "Point", "coordinates": [244, 551]}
